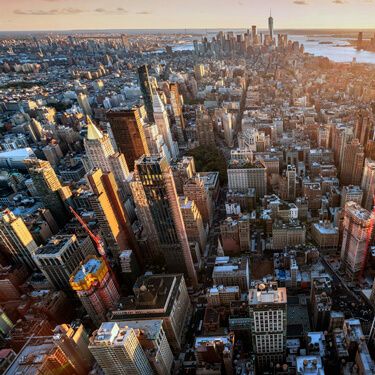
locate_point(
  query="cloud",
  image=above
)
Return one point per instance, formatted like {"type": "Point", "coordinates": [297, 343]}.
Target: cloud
{"type": "Point", "coordinates": [145, 12]}
{"type": "Point", "coordinates": [111, 11]}
{"type": "Point", "coordinates": [300, 2]}
{"type": "Point", "coordinates": [50, 12]}
{"type": "Point", "coordinates": [339, 2]}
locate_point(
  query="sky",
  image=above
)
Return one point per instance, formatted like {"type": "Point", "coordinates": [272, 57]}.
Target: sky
{"type": "Point", "coordinates": [169, 14]}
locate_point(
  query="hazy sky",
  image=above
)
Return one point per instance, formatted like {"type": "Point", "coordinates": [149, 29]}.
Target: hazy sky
{"type": "Point", "coordinates": [127, 14]}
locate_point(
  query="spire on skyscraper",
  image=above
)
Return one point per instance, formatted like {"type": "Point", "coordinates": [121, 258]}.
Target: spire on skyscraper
{"type": "Point", "coordinates": [93, 132]}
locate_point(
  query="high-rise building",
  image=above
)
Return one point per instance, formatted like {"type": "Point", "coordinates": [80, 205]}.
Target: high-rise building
{"type": "Point", "coordinates": [267, 309]}
{"type": "Point", "coordinates": [127, 129]}
{"type": "Point", "coordinates": [100, 154]}
{"type": "Point", "coordinates": [95, 287]}
{"type": "Point", "coordinates": [270, 26]}
{"type": "Point", "coordinates": [83, 102]}
{"type": "Point", "coordinates": [364, 127]}
{"type": "Point", "coordinates": [228, 126]}
{"type": "Point", "coordinates": [147, 91]}
{"type": "Point", "coordinates": [351, 165]}
{"type": "Point", "coordinates": [199, 71]}
{"type": "Point", "coordinates": [351, 193]}
{"type": "Point", "coordinates": [205, 127]}
{"type": "Point", "coordinates": [182, 171]}
{"type": "Point", "coordinates": [58, 259]}
{"type": "Point", "coordinates": [368, 184]}
{"type": "Point", "coordinates": [357, 228]}
{"type": "Point", "coordinates": [16, 240]}
{"type": "Point", "coordinates": [48, 187]}
{"type": "Point", "coordinates": [118, 351]}
{"type": "Point", "coordinates": [110, 213]}
{"type": "Point", "coordinates": [152, 337]}
{"type": "Point", "coordinates": [158, 208]}
{"type": "Point", "coordinates": [158, 297]}
{"type": "Point", "coordinates": [291, 182]}
{"type": "Point", "coordinates": [162, 122]}
{"type": "Point", "coordinates": [243, 175]}
{"type": "Point", "coordinates": [176, 103]}
{"type": "Point", "coordinates": [73, 340]}
{"type": "Point", "coordinates": [194, 226]}
{"type": "Point", "coordinates": [194, 189]}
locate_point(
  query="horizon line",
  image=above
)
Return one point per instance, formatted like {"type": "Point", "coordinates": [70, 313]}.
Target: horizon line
{"type": "Point", "coordinates": [190, 28]}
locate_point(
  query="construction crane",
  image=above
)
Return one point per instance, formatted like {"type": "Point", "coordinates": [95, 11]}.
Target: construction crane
{"type": "Point", "coordinates": [96, 239]}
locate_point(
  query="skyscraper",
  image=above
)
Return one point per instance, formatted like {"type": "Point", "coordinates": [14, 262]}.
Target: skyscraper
{"type": "Point", "coordinates": [351, 165]}
{"type": "Point", "coordinates": [118, 351]}
{"type": "Point", "coordinates": [358, 225]}
{"type": "Point", "coordinates": [368, 184]}
{"type": "Point", "coordinates": [48, 187]}
{"type": "Point", "coordinates": [205, 127]}
{"type": "Point", "coordinates": [129, 135]}
{"type": "Point", "coordinates": [162, 122]}
{"type": "Point", "coordinates": [58, 259]}
{"type": "Point", "coordinates": [267, 308]}
{"type": "Point", "coordinates": [95, 288]}
{"type": "Point", "coordinates": [110, 213]}
{"type": "Point", "coordinates": [291, 182]}
{"type": "Point", "coordinates": [100, 154]}
{"type": "Point", "coordinates": [147, 91]}
{"type": "Point", "coordinates": [270, 26]}
{"type": "Point", "coordinates": [158, 208]}
{"type": "Point", "coordinates": [176, 103]}
{"type": "Point", "coordinates": [195, 190]}
{"type": "Point", "coordinates": [16, 240]}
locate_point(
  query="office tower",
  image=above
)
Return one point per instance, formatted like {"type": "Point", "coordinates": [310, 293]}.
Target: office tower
{"type": "Point", "coordinates": [235, 235]}
{"type": "Point", "coordinates": [48, 187]}
{"type": "Point", "coordinates": [232, 271]}
{"type": "Point", "coordinates": [254, 36]}
{"type": "Point", "coordinates": [162, 122]}
{"type": "Point", "coordinates": [152, 337]}
{"type": "Point", "coordinates": [199, 71]}
{"type": "Point", "coordinates": [270, 26]}
{"type": "Point", "coordinates": [73, 340]}
{"type": "Point", "coordinates": [364, 127]}
{"type": "Point", "coordinates": [118, 352]}
{"type": "Point", "coordinates": [176, 103]}
{"type": "Point", "coordinates": [205, 128]}
{"type": "Point", "coordinates": [129, 135]}
{"type": "Point", "coordinates": [195, 190]}
{"type": "Point", "coordinates": [291, 182]}
{"type": "Point", "coordinates": [228, 128]}
{"type": "Point", "coordinates": [100, 154]}
{"type": "Point", "coordinates": [357, 232]}
{"type": "Point", "coordinates": [243, 175]}
{"type": "Point", "coordinates": [147, 91]}
{"type": "Point", "coordinates": [351, 193]}
{"type": "Point", "coordinates": [267, 309]}
{"type": "Point", "coordinates": [155, 141]}
{"type": "Point", "coordinates": [216, 353]}
{"type": "Point", "coordinates": [158, 209]}
{"type": "Point", "coordinates": [193, 222]}
{"type": "Point", "coordinates": [95, 287]}
{"type": "Point", "coordinates": [159, 297]}
{"type": "Point", "coordinates": [53, 153]}
{"type": "Point", "coordinates": [368, 184]}
{"type": "Point", "coordinates": [351, 165]}
{"type": "Point", "coordinates": [83, 102]}
{"type": "Point", "coordinates": [35, 130]}
{"type": "Point", "coordinates": [58, 259]}
{"type": "Point", "coordinates": [16, 240]}
{"type": "Point", "coordinates": [110, 213]}
{"type": "Point", "coordinates": [341, 135]}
